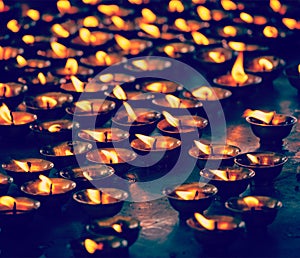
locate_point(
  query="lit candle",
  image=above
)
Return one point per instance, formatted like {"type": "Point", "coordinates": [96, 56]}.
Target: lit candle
{"type": "Point", "coordinates": [147, 64]}
{"type": "Point", "coordinates": [161, 86]}
{"type": "Point", "coordinates": [12, 93]}
{"type": "Point", "coordinates": [5, 182]}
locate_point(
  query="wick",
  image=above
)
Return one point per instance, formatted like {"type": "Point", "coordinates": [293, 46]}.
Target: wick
{"type": "Point", "coordinates": [100, 196]}
{"type": "Point", "coordinates": [179, 124]}
{"type": "Point", "coordinates": [29, 166]}
{"type": "Point", "coordinates": [154, 144]}
{"type": "Point", "coordinates": [252, 209]}
{"type": "Point", "coordinates": [105, 136]}
{"type": "Point", "coordinates": [11, 117]}
{"type": "Point", "coordinates": [15, 208]}
{"type": "Point", "coordinates": [227, 173]}
{"type": "Point", "coordinates": [180, 102]}
{"type": "Point", "coordinates": [4, 91]}
{"type": "Point", "coordinates": [48, 105]}
{"type": "Point", "coordinates": [237, 84]}
{"type": "Point", "coordinates": [216, 225]}
{"type": "Point", "coordinates": [51, 189]}
{"type": "Point", "coordinates": [196, 194]}
{"type": "Point", "coordinates": [92, 107]}
{"type": "Point", "coordinates": [211, 151]}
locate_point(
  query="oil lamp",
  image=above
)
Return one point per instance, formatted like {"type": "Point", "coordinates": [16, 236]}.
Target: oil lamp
{"type": "Point", "coordinates": [178, 50]}
{"type": "Point", "coordinates": [102, 202]}
{"type": "Point", "coordinates": [186, 26]}
{"type": "Point", "coordinates": [12, 93]}
{"type": "Point", "coordinates": [267, 165]}
{"type": "Point", "coordinates": [149, 17]}
{"type": "Point", "coordinates": [113, 79]}
{"type": "Point", "coordinates": [149, 64]}
{"type": "Point", "coordinates": [207, 15]}
{"type": "Point", "coordinates": [213, 155]}
{"type": "Point", "coordinates": [66, 153]}
{"type": "Point", "coordinates": [137, 120]}
{"type": "Point", "coordinates": [8, 52]}
{"type": "Point", "coordinates": [72, 68]}
{"type": "Point", "coordinates": [90, 176]}
{"type": "Point", "coordinates": [111, 9]}
{"type": "Point", "coordinates": [48, 105]}
{"type": "Point", "coordinates": [257, 211]}
{"type": "Point", "coordinates": [104, 137]}
{"type": "Point", "coordinates": [14, 124]}
{"type": "Point", "coordinates": [244, 46]}
{"type": "Point", "coordinates": [202, 40]}
{"type": "Point", "coordinates": [232, 31]}
{"type": "Point", "coordinates": [293, 74]}
{"type": "Point", "coordinates": [161, 86]}
{"type": "Point", "coordinates": [230, 181]}
{"type": "Point", "coordinates": [54, 130]}
{"type": "Point", "coordinates": [91, 112]}
{"type": "Point", "coordinates": [271, 128]}
{"type": "Point", "coordinates": [190, 197]}
{"type": "Point", "coordinates": [5, 182]}
{"type": "Point", "coordinates": [23, 170]}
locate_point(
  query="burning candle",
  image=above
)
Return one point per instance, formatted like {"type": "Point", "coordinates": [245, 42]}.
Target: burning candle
{"type": "Point", "coordinates": [12, 93]}
{"type": "Point", "coordinates": [91, 38]}
{"type": "Point", "coordinates": [102, 202]}
{"type": "Point", "coordinates": [202, 40]}
{"type": "Point", "coordinates": [29, 65]}
{"type": "Point", "coordinates": [8, 52]}
{"type": "Point", "coordinates": [5, 182]}
{"type": "Point", "coordinates": [190, 197]}
{"type": "Point", "coordinates": [59, 51]}
{"type": "Point", "coordinates": [161, 86]}
{"type": "Point", "coordinates": [232, 31]}
{"type": "Point", "coordinates": [27, 169]}
{"type": "Point", "coordinates": [113, 79]}
{"type": "Point", "coordinates": [208, 94]}
{"type": "Point", "coordinates": [293, 75]}
{"type": "Point", "coordinates": [177, 50]}
{"type": "Point", "coordinates": [149, 17]}
{"type": "Point", "coordinates": [72, 68]}
{"type": "Point", "coordinates": [244, 46]}
{"type": "Point", "coordinates": [147, 64]}
{"type": "Point", "coordinates": [111, 9]}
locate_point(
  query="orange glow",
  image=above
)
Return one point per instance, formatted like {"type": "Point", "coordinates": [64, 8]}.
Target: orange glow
{"type": "Point", "coordinates": [84, 105]}
{"type": "Point", "coordinates": [199, 38]}
{"type": "Point", "coordinates": [270, 32]}
{"type": "Point", "coordinates": [182, 24]}
{"type": "Point", "coordinates": [187, 195]}
{"type": "Point", "coordinates": [203, 93]}
{"type": "Point", "coordinates": [246, 17]}
{"type": "Point", "coordinates": [173, 101]}
{"type": "Point", "coordinates": [173, 121]}
{"type": "Point", "coordinates": [90, 21]}
{"type": "Point", "coordinates": [138, 2]}
{"type": "Point", "coordinates": [59, 49]}
{"type": "Point", "coordinates": [2, 6]}
{"type": "Point", "coordinates": [290, 23]}
{"type": "Point", "coordinates": [103, 58]}
{"type": "Point", "coordinates": [148, 15]}
{"type": "Point", "coordinates": [228, 5]}
{"type": "Point", "coordinates": [94, 195]}
{"type": "Point", "coordinates": [220, 173]}
{"type": "Point", "coordinates": [5, 90]}
{"type": "Point", "coordinates": [21, 61]}
{"type": "Point", "coordinates": [118, 22]}
{"type": "Point", "coordinates": [131, 114]}
{"type": "Point", "coordinates": [265, 117]}
{"type": "Point", "coordinates": [63, 6]}
{"type": "Point", "coordinates": [117, 228]}
{"type": "Point", "coordinates": [157, 87]}
{"type": "Point", "coordinates": [8, 201]}
{"type": "Point", "coordinates": [152, 30]}
{"type": "Point", "coordinates": [275, 5]}
{"type": "Point", "coordinates": [208, 224]}
{"type": "Point", "coordinates": [85, 35]}
{"type": "Point", "coordinates": [33, 14]}
{"type": "Point", "coordinates": [266, 64]}
{"type": "Point", "coordinates": [204, 13]}
{"type": "Point", "coordinates": [253, 159]}
{"type": "Point", "coordinates": [44, 185]}
{"type": "Point", "coordinates": [176, 6]}
{"type": "Point", "coordinates": [28, 39]}
{"type": "Point", "coordinates": [78, 84]}
{"type": "Point", "coordinates": [60, 30]}
{"type": "Point", "coordinates": [47, 102]}
{"type": "Point", "coordinates": [111, 156]}
{"type": "Point", "coordinates": [71, 66]}
{"type": "Point", "coordinates": [260, 20]}
{"type": "Point", "coordinates": [54, 128]}
{"type": "Point", "coordinates": [119, 93]}
{"type": "Point", "coordinates": [141, 64]}
{"type": "Point", "coordinates": [13, 25]}
{"type": "Point", "coordinates": [170, 51]}
{"type": "Point", "coordinates": [98, 136]}
{"type": "Point", "coordinates": [149, 141]}
{"type": "Point", "coordinates": [206, 149]}
{"type": "Point", "coordinates": [108, 9]}
{"type": "Point", "coordinates": [251, 202]}
{"type": "Point", "coordinates": [92, 2]}
{"type": "Point", "coordinates": [42, 78]}
{"type": "Point", "coordinates": [237, 46]}
{"type": "Point", "coordinates": [122, 42]}
{"type": "Point", "coordinates": [25, 166]}
{"type": "Point", "coordinates": [230, 31]}
{"type": "Point", "coordinates": [91, 246]}
{"type": "Point", "coordinates": [6, 114]}
{"type": "Point", "coordinates": [237, 72]}
{"type": "Point", "coordinates": [217, 57]}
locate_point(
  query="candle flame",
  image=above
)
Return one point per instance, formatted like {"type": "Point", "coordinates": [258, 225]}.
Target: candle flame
{"type": "Point", "coordinates": [228, 5]}
{"type": "Point", "coordinates": [21, 61]}
{"type": "Point", "coordinates": [87, 176]}
{"type": "Point", "coordinates": [217, 57]}
{"type": "Point", "coordinates": [42, 79]}
{"type": "Point", "coordinates": [173, 121]}
{"type": "Point", "coordinates": [251, 201]}
{"type": "Point", "coordinates": [148, 15]}
{"type": "Point", "coordinates": [206, 149]}
{"type": "Point", "coordinates": [84, 105]}
{"type": "Point", "coordinates": [131, 114]}
{"type": "Point", "coordinates": [98, 136]}
{"type": "Point", "coordinates": [265, 117]}
{"type": "Point", "coordinates": [187, 195]}
{"type": "Point", "coordinates": [149, 141]}
{"type": "Point", "coordinates": [44, 186]}
{"type": "Point", "coordinates": [199, 38]}
{"type": "Point", "coordinates": [71, 66]}
{"type": "Point", "coordinates": [176, 6]}
{"type": "Point", "coordinates": [5, 114]}
{"type": "Point", "coordinates": [230, 31]}
{"type": "Point", "coordinates": [103, 58]}
{"type": "Point", "coordinates": [141, 64]}
{"type": "Point", "coordinates": [299, 68]}
{"type": "Point", "coordinates": [266, 64]}
{"type": "Point", "coordinates": [237, 72]}
{"type": "Point", "coordinates": [111, 156]}
{"type": "Point", "coordinates": [203, 92]}
{"type": "Point", "coordinates": [220, 173]}
{"type": "Point", "coordinates": [13, 26]}
{"type": "Point", "coordinates": [47, 102]}
{"type": "Point", "coordinates": [63, 6]}
{"type": "Point", "coordinates": [253, 159]}
{"type": "Point", "coordinates": [246, 17]}
{"type": "Point", "coordinates": [118, 22]}
{"type": "Point", "coordinates": [204, 13]}
{"type": "Point", "coordinates": [94, 195]}
{"type": "Point", "coordinates": [290, 23]}
{"type": "Point", "coordinates": [182, 24]}
{"type": "Point", "coordinates": [91, 246]}
{"type": "Point", "coordinates": [169, 50]}
{"type": "Point", "coordinates": [270, 32]}
{"type": "Point", "coordinates": [237, 46]}
{"type": "Point", "coordinates": [28, 39]}
{"type": "Point", "coordinates": [108, 9]}
{"type": "Point", "coordinates": [157, 87]}
{"type": "Point", "coordinates": [25, 166]}
{"type": "Point", "coordinates": [8, 201]}
{"type": "Point", "coordinates": [54, 128]}
{"type": "Point", "coordinates": [117, 228]}
{"type": "Point", "coordinates": [275, 5]}
{"type": "Point", "coordinates": [60, 30]}
{"type": "Point", "coordinates": [123, 42]}
{"type": "Point", "coordinates": [78, 84]}
{"type": "Point", "coordinates": [90, 21]}
{"type": "Point", "coordinates": [33, 14]}
{"type": "Point", "coordinates": [5, 90]}
{"type": "Point", "coordinates": [208, 224]}
{"type": "Point", "coordinates": [151, 29]}
{"type": "Point", "coordinates": [85, 35]}
{"type": "Point", "coordinates": [173, 101]}
{"type": "Point", "coordinates": [59, 49]}
{"type": "Point", "coordinates": [119, 93]}
{"type": "Point", "coordinates": [2, 6]}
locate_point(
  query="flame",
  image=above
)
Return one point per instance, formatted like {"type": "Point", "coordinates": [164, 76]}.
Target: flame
{"type": "Point", "coordinates": [2, 6]}
{"type": "Point", "coordinates": [111, 156]}
{"type": "Point", "coordinates": [217, 57]}
{"type": "Point", "coordinates": [21, 61]}
{"type": "Point", "coordinates": [173, 121]}
{"type": "Point", "coordinates": [98, 136]}
{"type": "Point", "coordinates": [141, 64]}
{"type": "Point", "coordinates": [187, 195]}
{"type": "Point", "coordinates": [237, 72]}
{"type": "Point", "coordinates": [119, 93]}
{"type": "Point", "coordinates": [228, 5]}
{"type": "Point", "coordinates": [33, 14]}
{"type": "Point", "coordinates": [266, 64]}
{"type": "Point", "coordinates": [60, 30]}
{"type": "Point", "coordinates": [152, 30]}
{"type": "Point", "coordinates": [173, 101]}
{"type": "Point", "coordinates": [63, 6]}
{"type": "Point", "coordinates": [13, 25]}
{"type": "Point", "coordinates": [253, 159]}
{"type": "Point", "coordinates": [123, 42]}
{"type": "Point", "coordinates": [54, 128]}
{"type": "Point", "coordinates": [131, 114]}
{"type": "Point", "coordinates": [299, 68]}
{"type": "Point", "coordinates": [5, 114]}
{"type": "Point", "coordinates": [25, 166]}
{"type": "Point", "coordinates": [90, 21]}
{"type": "Point", "coordinates": [230, 31]}
{"type": "Point", "coordinates": [84, 105]}
{"type": "Point", "coordinates": [108, 9]}
{"type": "Point", "coordinates": [91, 246]}
{"type": "Point", "coordinates": [28, 39]}
{"type": "Point", "coordinates": [270, 32]}
{"type": "Point", "coordinates": [220, 173]}
{"type": "Point", "coordinates": [103, 58]}
{"type": "Point", "coordinates": [148, 15]}
{"type": "Point", "coordinates": [78, 84]}
{"type": "Point", "coordinates": [71, 66]}
{"type": "Point", "coordinates": [209, 224]}
{"type": "Point", "coordinates": [237, 46]}
{"type": "Point", "coordinates": [87, 176]}
{"type": "Point", "coordinates": [5, 90]}
{"type": "Point", "coordinates": [86, 36]}
{"type": "Point", "coordinates": [59, 49]}
{"type": "Point", "coordinates": [176, 6]}
{"type": "Point", "coordinates": [275, 5]}
{"type": "Point", "coordinates": [157, 87]}
{"type": "Point", "coordinates": [118, 22]}
{"type": "Point", "coordinates": [169, 50]}
{"type": "Point", "coordinates": [117, 228]}
{"type": "Point", "coordinates": [199, 38]}
{"type": "Point", "coordinates": [265, 117]}
{"type": "Point", "coordinates": [246, 17]}
{"type": "Point", "coordinates": [92, 2]}
{"type": "Point", "coordinates": [8, 201]}
{"type": "Point", "coordinates": [206, 149]}
{"type": "Point", "coordinates": [182, 24]}
{"type": "Point", "coordinates": [94, 195]}
{"type": "Point", "coordinates": [204, 13]}
{"type": "Point", "coordinates": [47, 102]}
{"type": "Point", "coordinates": [290, 23]}
{"type": "Point", "coordinates": [251, 201]}
{"type": "Point", "coordinates": [203, 92]}
{"type": "Point", "coordinates": [42, 78]}
{"type": "Point", "coordinates": [149, 141]}
{"type": "Point", "coordinates": [44, 185]}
